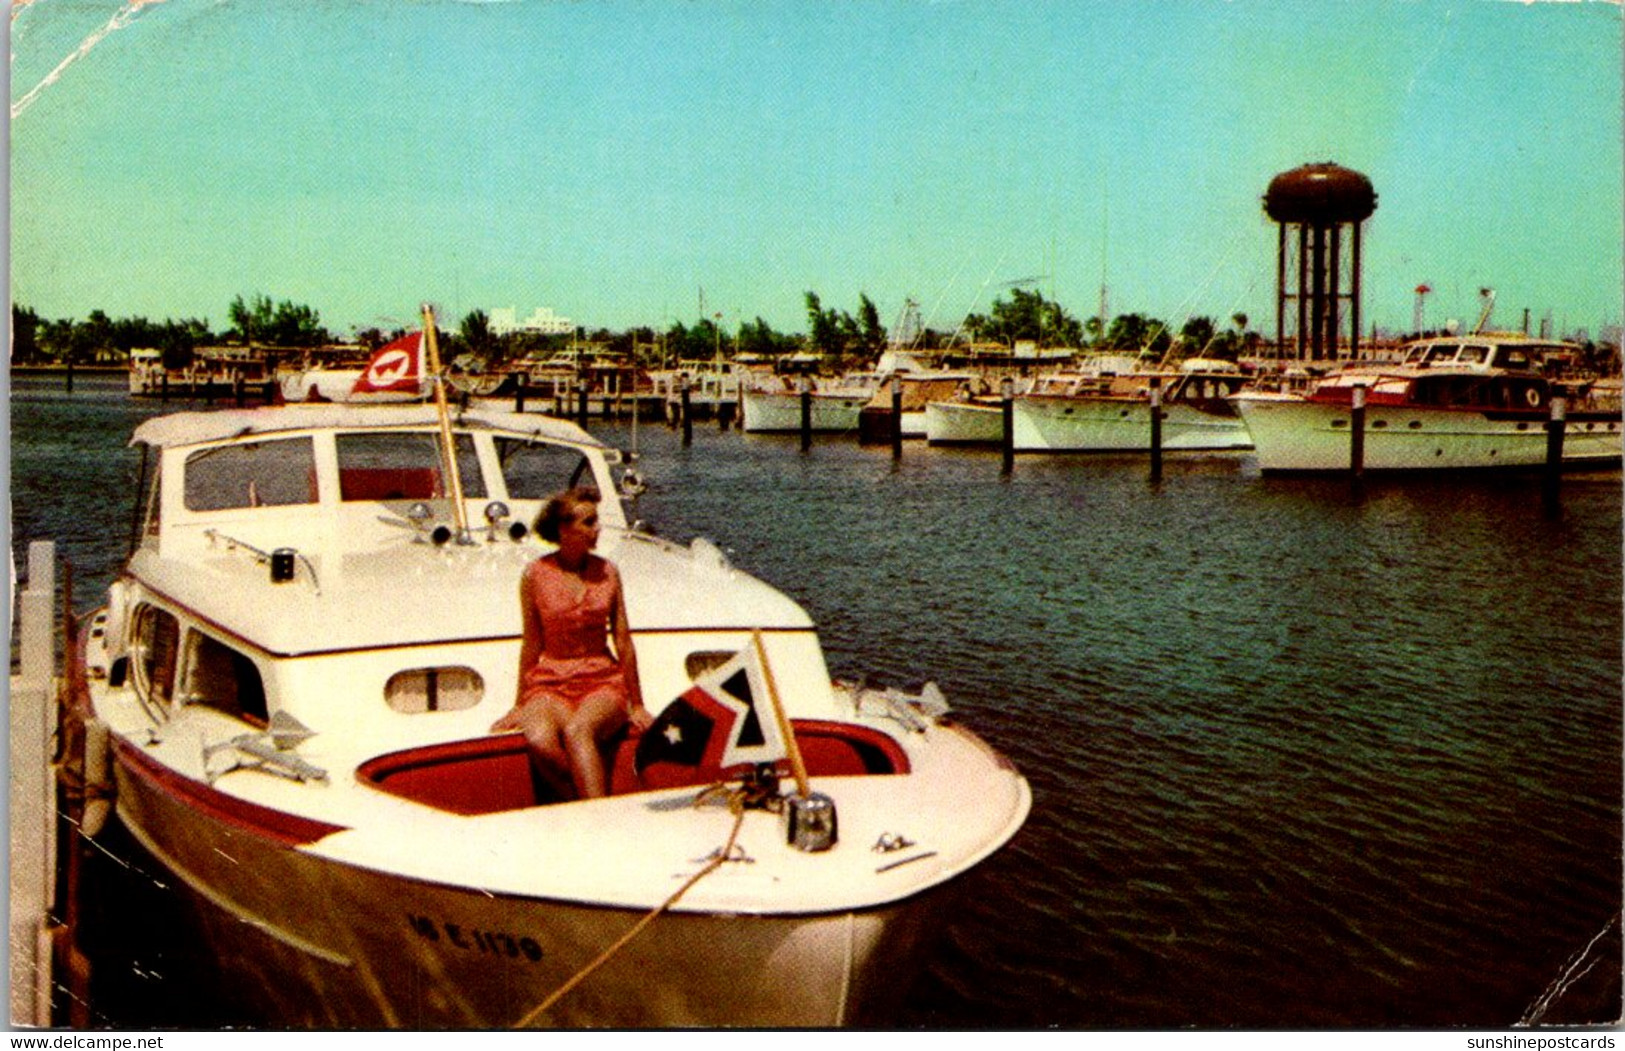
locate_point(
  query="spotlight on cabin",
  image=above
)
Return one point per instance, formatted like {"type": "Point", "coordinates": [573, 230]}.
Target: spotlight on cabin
{"type": "Point", "coordinates": [495, 512]}
{"type": "Point", "coordinates": [419, 514]}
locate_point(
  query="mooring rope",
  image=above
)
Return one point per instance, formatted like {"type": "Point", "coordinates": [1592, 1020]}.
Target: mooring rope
{"type": "Point", "coordinates": [737, 800]}
{"type": "Point", "coordinates": [1570, 975]}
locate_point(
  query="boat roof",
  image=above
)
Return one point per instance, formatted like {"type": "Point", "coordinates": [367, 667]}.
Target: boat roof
{"type": "Point", "coordinates": [192, 428]}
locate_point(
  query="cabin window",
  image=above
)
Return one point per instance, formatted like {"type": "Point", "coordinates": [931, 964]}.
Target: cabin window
{"type": "Point", "coordinates": [152, 501]}
{"type": "Point", "coordinates": [1472, 355]}
{"type": "Point", "coordinates": [223, 678]}
{"type": "Point", "coordinates": [449, 689]}
{"type": "Point", "coordinates": [537, 470]}
{"type": "Point", "coordinates": [404, 465]}
{"type": "Point", "coordinates": [255, 474]}
{"type": "Point", "coordinates": [154, 645]}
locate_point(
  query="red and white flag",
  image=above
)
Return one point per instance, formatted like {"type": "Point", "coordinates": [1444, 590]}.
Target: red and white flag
{"type": "Point", "coordinates": [723, 722]}
{"type": "Point", "coordinates": [397, 366]}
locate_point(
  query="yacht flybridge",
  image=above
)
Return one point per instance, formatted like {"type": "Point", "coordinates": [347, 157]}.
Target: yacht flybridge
{"type": "Point", "coordinates": [295, 675]}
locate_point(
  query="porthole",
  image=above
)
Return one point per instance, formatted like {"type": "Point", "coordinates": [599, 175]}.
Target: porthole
{"type": "Point", "coordinates": [1340, 423]}
{"type": "Point", "coordinates": [449, 689]}
{"type": "Point", "coordinates": [1415, 425]}
{"type": "Point", "coordinates": [1378, 425]}
{"type": "Point", "coordinates": [1523, 426]}
{"type": "Point", "coordinates": [1122, 414]}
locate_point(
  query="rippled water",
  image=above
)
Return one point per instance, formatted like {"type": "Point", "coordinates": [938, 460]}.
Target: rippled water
{"type": "Point", "coordinates": [1302, 755]}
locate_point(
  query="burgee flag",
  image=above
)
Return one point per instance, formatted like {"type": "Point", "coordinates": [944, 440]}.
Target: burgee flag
{"type": "Point", "coordinates": [397, 366]}
{"type": "Point", "coordinates": [722, 723]}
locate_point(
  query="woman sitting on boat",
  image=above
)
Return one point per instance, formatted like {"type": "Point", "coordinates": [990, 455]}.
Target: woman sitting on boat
{"type": "Point", "coordinates": [574, 692]}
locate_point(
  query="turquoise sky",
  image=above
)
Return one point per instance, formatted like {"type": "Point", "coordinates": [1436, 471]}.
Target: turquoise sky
{"type": "Point", "coordinates": [611, 159]}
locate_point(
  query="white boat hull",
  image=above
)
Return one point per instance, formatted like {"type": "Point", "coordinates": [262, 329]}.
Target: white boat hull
{"type": "Point", "coordinates": [314, 942]}
{"type": "Point", "coordinates": [1065, 423]}
{"type": "Point", "coordinates": [777, 413]}
{"type": "Point", "coordinates": [964, 423]}
{"type": "Point", "coordinates": [1291, 433]}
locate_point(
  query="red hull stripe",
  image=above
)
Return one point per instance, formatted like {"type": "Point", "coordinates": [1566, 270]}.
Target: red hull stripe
{"type": "Point", "coordinates": [287, 829]}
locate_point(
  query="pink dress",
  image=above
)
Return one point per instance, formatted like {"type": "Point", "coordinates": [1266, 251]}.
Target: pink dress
{"type": "Point", "coordinates": [575, 662]}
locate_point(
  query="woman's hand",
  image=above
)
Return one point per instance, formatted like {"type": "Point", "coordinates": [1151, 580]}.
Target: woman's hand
{"type": "Point", "coordinates": [639, 718]}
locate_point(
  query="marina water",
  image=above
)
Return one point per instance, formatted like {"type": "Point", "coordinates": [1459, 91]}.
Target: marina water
{"type": "Point", "coordinates": [1303, 754]}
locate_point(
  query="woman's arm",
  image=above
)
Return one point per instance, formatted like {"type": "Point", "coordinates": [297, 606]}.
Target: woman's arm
{"type": "Point", "coordinates": [627, 654]}
{"type": "Point", "coordinates": [530, 639]}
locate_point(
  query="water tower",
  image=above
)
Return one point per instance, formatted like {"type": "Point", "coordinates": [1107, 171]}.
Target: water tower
{"type": "Point", "coordinates": [1313, 205]}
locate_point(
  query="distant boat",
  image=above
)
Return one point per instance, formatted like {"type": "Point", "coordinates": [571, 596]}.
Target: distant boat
{"type": "Point", "coordinates": [1471, 402]}
{"type": "Point", "coordinates": [395, 374]}
{"type": "Point", "coordinates": [1087, 412]}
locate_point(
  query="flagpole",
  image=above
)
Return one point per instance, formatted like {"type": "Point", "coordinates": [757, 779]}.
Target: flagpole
{"type": "Point", "coordinates": [448, 449]}
{"type": "Point", "coordinates": [791, 748]}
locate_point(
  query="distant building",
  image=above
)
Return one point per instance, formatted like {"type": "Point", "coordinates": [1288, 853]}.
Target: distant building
{"type": "Point", "coordinates": [505, 320]}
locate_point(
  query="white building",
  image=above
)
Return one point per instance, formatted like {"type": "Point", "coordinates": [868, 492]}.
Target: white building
{"type": "Point", "coordinates": [504, 320]}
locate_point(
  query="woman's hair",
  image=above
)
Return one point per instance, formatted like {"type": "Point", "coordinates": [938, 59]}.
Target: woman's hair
{"type": "Point", "coordinates": [559, 505]}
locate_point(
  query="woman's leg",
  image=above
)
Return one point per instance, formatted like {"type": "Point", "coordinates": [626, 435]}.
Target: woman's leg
{"type": "Point", "coordinates": [599, 716]}
{"type": "Point", "coordinates": [542, 720]}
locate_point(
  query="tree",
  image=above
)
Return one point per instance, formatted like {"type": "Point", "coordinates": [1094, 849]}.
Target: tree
{"type": "Point", "coordinates": [1027, 316]}
{"type": "Point", "coordinates": [823, 329]}
{"type": "Point", "coordinates": [477, 335]}
{"type": "Point", "coordinates": [1195, 335]}
{"type": "Point", "coordinates": [24, 335]}
{"type": "Point", "coordinates": [871, 333]}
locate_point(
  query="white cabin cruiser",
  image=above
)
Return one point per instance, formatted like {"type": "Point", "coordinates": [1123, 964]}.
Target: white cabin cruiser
{"type": "Point", "coordinates": [295, 675]}
{"type": "Point", "coordinates": [1082, 412]}
{"type": "Point", "coordinates": [1474, 402]}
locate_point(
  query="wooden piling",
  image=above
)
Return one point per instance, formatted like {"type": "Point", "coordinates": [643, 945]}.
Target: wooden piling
{"type": "Point", "coordinates": [237, 387]}
{"type": "Point", "coordinates": [581, 403]}
{"type": "Point", "coordinates": [1007, 436]}
{"type": "Point", "coordinates": [1555, 426]}
{"type": "Point", "coordinates": [806, 414]}
{"type": "Point", "coordinates": [685, 410]}
{"type": "Point", "coordinates": [1357, 431]}
{"type": "Point", "coordinates": [68, 384]}
{"type": "Point", "coordinates": [1156, 428]}
{"type": "Point", "coordinates": [896, 417]}
{"type": "Point", "coordinates": [33, 802]}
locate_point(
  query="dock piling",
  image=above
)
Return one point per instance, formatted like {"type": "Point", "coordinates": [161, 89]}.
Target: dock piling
{"type": "Point", "coordinates": [1156, 428]}
{"type": "Point", "coordinates": [33, 793]}
{"type": "Point", "coordinates": [685, 409]}
{"type": "Point", "coordinates": [1555, 426]}
{"type": "Point", "coordinates": [806, 414]}
{"type": "Point", "coordinates": [1357, 431]}
{"type": "Point", "coordinates": [1007, 436]}
{"type": "Point", "coordinates": [896, 417]}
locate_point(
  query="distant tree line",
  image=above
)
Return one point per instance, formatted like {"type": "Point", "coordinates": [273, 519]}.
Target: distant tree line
{"type": "Point", "coordinates": [833, 335]}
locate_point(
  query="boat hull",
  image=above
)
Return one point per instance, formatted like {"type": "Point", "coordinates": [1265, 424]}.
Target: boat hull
{"type": "Point", "coordinates": [1295, 434]}
{"type": "Point", "coordinates": [780, 413]}
{"type": "Point", "coordinates": [308, 941]}
{"type": "Point", "coordinates": [1064, 423]}
{"type": "Point", "coordinates": [964, 423]}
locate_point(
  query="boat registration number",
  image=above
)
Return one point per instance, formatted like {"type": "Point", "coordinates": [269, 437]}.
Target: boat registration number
{"type": "Point", "coordinates": [472, 939]}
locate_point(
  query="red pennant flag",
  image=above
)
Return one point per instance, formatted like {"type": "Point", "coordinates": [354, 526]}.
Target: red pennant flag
{"type": "Point", "coordinates": [397, 366]}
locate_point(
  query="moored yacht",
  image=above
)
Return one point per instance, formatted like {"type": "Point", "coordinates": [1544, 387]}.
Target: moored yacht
{"type": "Point", "coordinates": [1452, 403]}
{"type": "Point", "coordinates": [1086, 412]}
{"type": "Point", "coordinates": [294, 677]}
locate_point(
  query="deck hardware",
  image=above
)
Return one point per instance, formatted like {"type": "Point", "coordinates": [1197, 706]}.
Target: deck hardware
{"type": "Point", "coordinates": [810, 822]}
{"type": "Point", "coordinates": [280, 560]}
{"type": "Point", "coordinates": [419, 515]}
{"type": "Point", "coordinates": [495, 512]}
{"type": "Point", "coordinates": [270, 751]}
{"type": "Point", "coordinates": [890, 842]}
